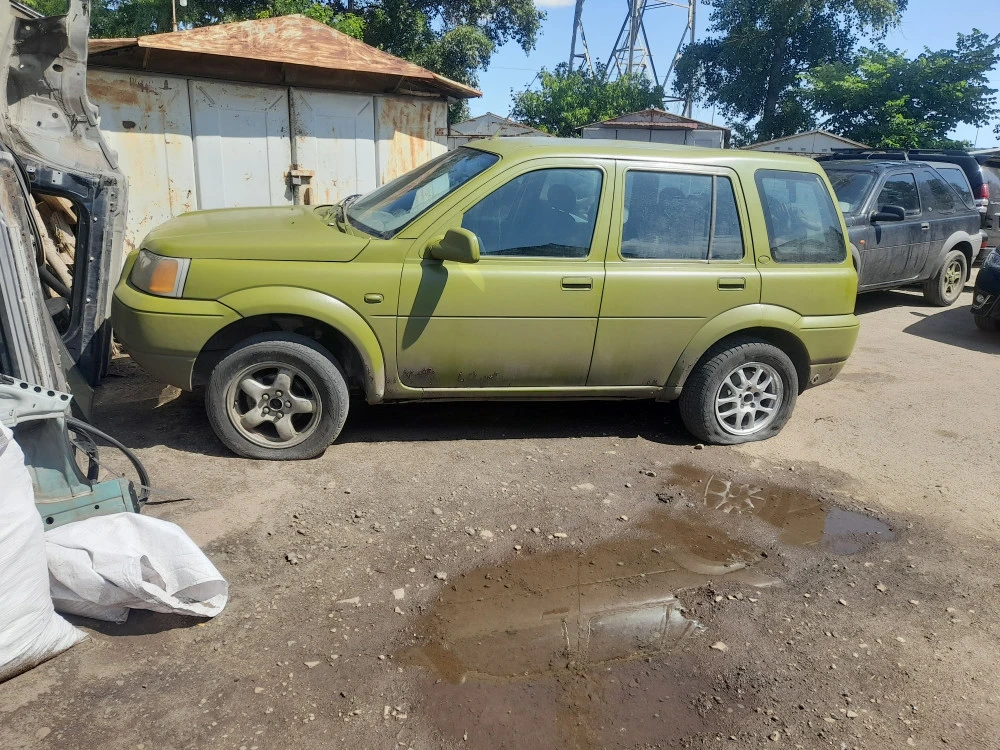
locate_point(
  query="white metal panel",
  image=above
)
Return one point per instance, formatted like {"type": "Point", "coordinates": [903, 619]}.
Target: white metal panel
{"type": "Point", "coordinates": [632, 134]}
{"type": "Point", "coordinates": [334, 136]}
{"type": "Point", "coordinates": [671, 136]}
{"type": "Point", "coordinates": [241, 144]}
{"type": "Point", "coordinates": [147, 120]}
{"type": "Point", "coordinates": [406, 128]}
{"type": "Point", "coordinates": [706, 138]}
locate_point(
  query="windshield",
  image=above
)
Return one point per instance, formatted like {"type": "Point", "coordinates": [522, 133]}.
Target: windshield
{"type": "Point", "coordinates": [851, 188]}
{"type": "Point", "coordinates": [384, 212]}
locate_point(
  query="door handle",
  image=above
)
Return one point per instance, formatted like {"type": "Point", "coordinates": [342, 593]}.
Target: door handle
{"type": "Point", "coordinates": [925, 226]}
{"type": "Point", "coordinates": [577, 282]}
{"type": "Point", "coordinates": [734, 283]}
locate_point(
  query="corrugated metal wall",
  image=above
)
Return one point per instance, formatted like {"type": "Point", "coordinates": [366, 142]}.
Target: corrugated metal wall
{"type": "Point", "coordinates": [186, 144]}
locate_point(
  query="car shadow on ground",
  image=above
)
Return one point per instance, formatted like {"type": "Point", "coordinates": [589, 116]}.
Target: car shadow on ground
{"type": "Point", "coordinates": [870, 302]}
{"type": "Point", "coordinates": [954, 326]}
{"type": "Point", "coordinates": [142, 413]}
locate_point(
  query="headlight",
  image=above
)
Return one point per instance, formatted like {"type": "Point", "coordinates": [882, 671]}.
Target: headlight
{"type": "Point", "coordinates": [159, 275]}
{"type": "Point", "coordinates": [992, 260]}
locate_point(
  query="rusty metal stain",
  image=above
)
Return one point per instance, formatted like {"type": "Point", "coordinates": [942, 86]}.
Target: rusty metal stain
{"type": "Point", "coordinates": [290, 40]}
{"type": "Point", "coordinates": [146, 120]}
{"type": "Point", "coordinates": [406, 129]}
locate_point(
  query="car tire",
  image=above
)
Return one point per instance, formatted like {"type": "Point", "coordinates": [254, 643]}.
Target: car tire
{"type": "Point", "coordinates": [277, 397]}
{"type": "Point", "coordinates": [945, 286]}
{"type": "Point", "coordinates": [987, 324]}
{"type": "Point", "coordinates": [714, 385]}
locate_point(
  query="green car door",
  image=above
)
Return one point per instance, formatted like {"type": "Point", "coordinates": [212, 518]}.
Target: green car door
{"type": "Point", "coordinates": [525, 314]}
{"type": "Point", "coordinates": [677, 258]}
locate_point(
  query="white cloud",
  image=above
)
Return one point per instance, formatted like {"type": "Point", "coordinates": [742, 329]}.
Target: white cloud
{"type": "Point", "coordinates": [554, 3]}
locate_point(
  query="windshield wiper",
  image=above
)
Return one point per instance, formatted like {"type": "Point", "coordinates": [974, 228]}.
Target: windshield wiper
{"type": "Point", "coordinates": [340, 215]}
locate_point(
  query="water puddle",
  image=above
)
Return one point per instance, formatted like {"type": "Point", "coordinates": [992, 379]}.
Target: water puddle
{"type": "Point", "coordinates": [542, 627]}
{"type": "Point", "coordinates": [801, 519]}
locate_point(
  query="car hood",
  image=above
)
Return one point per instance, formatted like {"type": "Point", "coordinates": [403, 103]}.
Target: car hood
{"type": "Point", "coordinates": [279, 233]}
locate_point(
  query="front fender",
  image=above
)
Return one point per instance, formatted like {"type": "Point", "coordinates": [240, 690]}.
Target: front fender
{"type": "Point", "coordinates": [730, 322]}
{"type": "Point", "coordinates": [308, 303]}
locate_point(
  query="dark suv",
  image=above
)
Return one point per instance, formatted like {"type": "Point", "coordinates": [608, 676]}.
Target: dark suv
{"type": "Point", "coordinates": [907, 225]}
{"type": "Point", "coordinates": [990, 166]}
{"type": "Point", "coordinates": [948, 162]}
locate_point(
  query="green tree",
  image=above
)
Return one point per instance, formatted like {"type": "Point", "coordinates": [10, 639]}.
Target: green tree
{"type": "Point", "coordinates": [456, 38]}
{"type": "Point", "coordinates": [565, 101]}
{"type": "Point", "coordinates": [751, 64]}
{"type": "Point", "coordinates": [886, 100]}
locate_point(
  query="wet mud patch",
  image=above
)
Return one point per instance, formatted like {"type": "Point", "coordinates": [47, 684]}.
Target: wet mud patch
{"type": "Point", "coordinates": [579, 644]}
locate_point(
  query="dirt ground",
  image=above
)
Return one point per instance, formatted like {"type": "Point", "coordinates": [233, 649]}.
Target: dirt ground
{"type": "Point", "coordinates": [575, 575]}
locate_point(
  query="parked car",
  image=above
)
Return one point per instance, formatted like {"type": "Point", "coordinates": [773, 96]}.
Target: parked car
{"type": "Point", "coordinates": [906, 225]}
{"type": "Point", "coordinates": [513, 268]}
{"type": "Point", "coordinates": [990, 166]}
{"type": "Point", "coordinates": [986, 297]}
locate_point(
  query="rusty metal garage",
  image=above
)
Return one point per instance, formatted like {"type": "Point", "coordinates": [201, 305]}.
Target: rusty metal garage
{"type": "Point", "coordinates": [276, 111]}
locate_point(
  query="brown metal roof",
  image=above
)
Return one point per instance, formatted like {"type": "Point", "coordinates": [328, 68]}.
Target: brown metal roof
{"type": "Point", "coordinates": [287, 49]}
{"type": "Point", "coordinates": [656, 119]}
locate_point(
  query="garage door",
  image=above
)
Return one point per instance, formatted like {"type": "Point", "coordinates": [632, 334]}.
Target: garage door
{"type": "Point", "coordinates": [335, 139]}
{"type": "Point", "coordinates": [241, 146]}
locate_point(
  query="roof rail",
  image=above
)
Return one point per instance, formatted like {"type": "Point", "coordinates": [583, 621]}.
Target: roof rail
{"type": "Point", "coordinates": [867, 153]}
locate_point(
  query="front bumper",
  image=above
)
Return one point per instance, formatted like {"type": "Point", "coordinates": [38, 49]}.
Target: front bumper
{"type": "Point", "coordinates": [985, 305]}
{"type": "Point", "coordinates": [165, 335]}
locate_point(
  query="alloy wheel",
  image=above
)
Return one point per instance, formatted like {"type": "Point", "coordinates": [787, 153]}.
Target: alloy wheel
{"type": "Point", "coordinates": [749, 398]}
{"type": "Point", "coordinates": [273, 404]}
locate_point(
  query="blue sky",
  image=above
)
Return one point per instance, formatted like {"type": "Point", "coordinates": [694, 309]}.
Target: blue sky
{"type": "Point", "coordinates": [928, 23]}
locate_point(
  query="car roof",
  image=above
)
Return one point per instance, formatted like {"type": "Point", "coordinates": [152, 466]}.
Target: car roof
{"type": "Point", "coordinates": [599, 148]}
{"type": "Point", "coordinates": [865, 165]}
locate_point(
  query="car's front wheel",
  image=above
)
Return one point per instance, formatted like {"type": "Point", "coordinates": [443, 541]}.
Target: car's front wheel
{"type": "Point", "coordinates": [739, 392]}
{"type": "Point", "coordinates": [944, 287]}
{"type": "Point", "coordinates": [277, 397]}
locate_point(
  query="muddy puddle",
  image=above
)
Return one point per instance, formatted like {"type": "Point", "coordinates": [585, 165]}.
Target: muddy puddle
{"type": "Point", "coordinates": [553, 631]}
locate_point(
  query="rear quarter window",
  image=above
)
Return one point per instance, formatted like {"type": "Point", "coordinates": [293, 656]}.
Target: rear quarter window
{"type": "Point", "coordinates": [803, 225]}
{"type": "Point", "coordinates": [955, 177]}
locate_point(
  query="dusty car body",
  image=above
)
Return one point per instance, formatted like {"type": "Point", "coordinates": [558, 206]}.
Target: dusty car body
{"type": "Point", "coordinates": [518, 269]}
{"type": "Point", "coordinates": [907, 225]}
{"type": "Point", "coordinates": [986, 297]}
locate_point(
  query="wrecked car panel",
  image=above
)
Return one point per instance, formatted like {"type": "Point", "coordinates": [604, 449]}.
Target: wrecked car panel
{"type": "Point", "coordinates": [50, 126]}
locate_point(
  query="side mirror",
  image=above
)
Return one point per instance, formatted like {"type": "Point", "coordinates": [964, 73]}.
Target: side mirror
{"type": "Point", "coordinates": [888, 213]}
{"type": "Point", "coordinates": [459, 245]}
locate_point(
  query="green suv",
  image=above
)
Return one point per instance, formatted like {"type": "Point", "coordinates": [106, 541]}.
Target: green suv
{"type": "Point", "coordinates": [516, 269]}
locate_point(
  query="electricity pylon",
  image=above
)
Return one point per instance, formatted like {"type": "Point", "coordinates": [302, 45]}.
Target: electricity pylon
{"type": "Point", "coordinates": [632, 53]}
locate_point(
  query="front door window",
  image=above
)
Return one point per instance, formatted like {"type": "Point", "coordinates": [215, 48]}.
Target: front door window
{"type": "Point", "coordinates": [549, 213]}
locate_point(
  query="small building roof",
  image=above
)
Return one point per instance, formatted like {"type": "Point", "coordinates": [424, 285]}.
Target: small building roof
{"type": "Point", "coordinates": [656, 119]}
{"type": "Point", "coordinates": [288, 50]}
{"type": "Point", "coordinates": [848, 143]}
{"type": "Point", "coordinates": [486, 125]}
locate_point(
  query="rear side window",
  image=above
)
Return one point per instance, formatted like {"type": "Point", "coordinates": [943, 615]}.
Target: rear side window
{"type": "Point", "coordinates": [941, 196]}
{"type": "Point", "coordinates": [677, 216]}
{"type": "Point", "coordinates": [900, 190]}
{"type": "Point", "coordinates": [955, 177]}
{"type": "Point", "coordinates": [802, 223]}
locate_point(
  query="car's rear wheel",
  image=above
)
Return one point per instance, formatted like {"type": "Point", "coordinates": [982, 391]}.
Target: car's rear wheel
{"type": "Point", "coordinates": [277, 397]}
{"type": "Point", "coordinates": [741, 391]}
{"type": "Point", "coordinates": [987, 324]}
{"type": "Point", "coordinates": [944, 287]}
